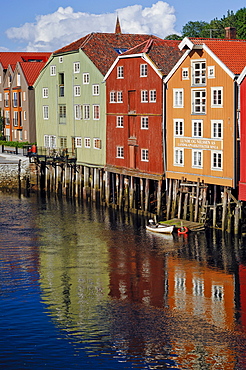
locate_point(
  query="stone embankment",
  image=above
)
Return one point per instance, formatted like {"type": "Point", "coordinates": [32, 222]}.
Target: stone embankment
{"type": "Point", "coordinates": [14, 170]}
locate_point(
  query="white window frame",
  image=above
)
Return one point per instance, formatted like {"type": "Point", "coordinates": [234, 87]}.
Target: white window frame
{"type": "Point", "coordinates": [144, 123]}
{"type": "Point", "coordinates": [45, 112]}
{"type": "Point", "coordinates": [18, 79]}
{"type": "Point", "coordinates": [86, 78]}
{"type": "Point", "coordinates": [120, 121]}
{"type": "Point", "coordinates": [178, 157]}
{"type": "Point", "coordinates": [120, 152]}
{"type": "Point", "coordinates": [216, 153]}
{"type": "Point", "coordinates": [217, 129]}
{"type": "Point", "coordinates": [197, 128]}
{"type": "Point", "coordinates": [77, 90]}
{"type": "Point", "coordinates": [96, 112]}
{"type": "Point", "coordinates": [178, 127]}
{"type": "Point", "coordinates": [50, 140]}
{"type": "Point", "coordinates": [145, 155]}
{"type": "Point", "coordinates": [60, 59]}
{"type": "Point", "coordinates": [211, 71]}
{"type": "Point", "coordinates": [87, 142]}
{"type": "Point", "coordinates": [199, 74]}
{"type": "Point", "coordinates": [216, 99]}
{"type": "Point", "coordinates": [97, 140]}
{"type": "Point", "coordinates": [112, 97]}
{"type": "Point", "coordinates": [53, 70]}
{"type": "Point", "coordinates": [86, 111]}
{"type": "Point", "coordinates": [119, 96]}
{"type": "Point", "coordinates": [77, 111]}
{"type": "Point", "coordinates": [144, 70]}
{"type": "Point", "coordinates": [144, 96]}
{"type": "Point", "coordinates": [178, 98]}
{"type": "Point", "coordinates": [76, 67]}
{"type": "Point", "coordinates": [197, 158]}
{"type": "Point", "coordinates": [120, 72]}
{"type": "Point", "coordinates": [95, 90]}
{"type": "Point", "coordinates": [78, 142]}
{"type": "Point", "coordinates": [45, 92]}
{"type": "Point", "coordinates": [185, 73]}
{"type": "Point", "coordinates": [152, 96]}
{"type": "Point", "coordinates": [198, 101]}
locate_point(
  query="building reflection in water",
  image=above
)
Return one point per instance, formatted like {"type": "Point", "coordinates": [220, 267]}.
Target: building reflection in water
{"type": "Point", "coordinates": [149, 296]}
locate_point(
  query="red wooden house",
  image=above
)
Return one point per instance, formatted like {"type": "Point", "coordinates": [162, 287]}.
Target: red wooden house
{"type": "Point", "coordinates": [134, 86]}
{"type": "Point", "coordinates": [242, 182]}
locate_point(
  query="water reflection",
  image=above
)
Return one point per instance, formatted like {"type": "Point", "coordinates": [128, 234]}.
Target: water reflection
{"type": "Point", "coordinates": [123, 296]}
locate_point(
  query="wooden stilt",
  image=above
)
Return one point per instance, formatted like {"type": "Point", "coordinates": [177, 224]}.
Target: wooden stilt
{"type": "Point", "coordinates": [197, 200]}
{"type": "Point", "coordinates": [146, 206]}
{"type": "Point", "coordinates": [174, 197]}
{"type": "Point", "coordinates": [169, 198]}
{"type": "Point", "coordinates": [126, 193]}
{"type": "Point", "coordinates": [224, 209]}
{"type": "Point", "coordinates": [107, 187]}
{"type": "Point", "coordinates": [120, 200]}
{"type": "Point", "coordinates": [158, 210]}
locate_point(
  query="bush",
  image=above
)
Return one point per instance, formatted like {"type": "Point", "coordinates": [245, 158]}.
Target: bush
{"type": "Point", "coordinates": [15, 143]}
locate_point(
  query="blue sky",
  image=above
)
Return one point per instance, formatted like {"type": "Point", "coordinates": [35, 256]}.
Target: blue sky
{"type": "Point", "coordinates": [47, 25]}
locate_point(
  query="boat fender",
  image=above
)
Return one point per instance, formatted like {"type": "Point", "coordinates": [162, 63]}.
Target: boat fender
{"type": "Point", "coordinates": [183, 230]}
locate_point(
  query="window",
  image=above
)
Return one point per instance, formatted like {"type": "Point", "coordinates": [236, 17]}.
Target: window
{"type": "Point", "coordinates": [86, 111]}
{"type": "Point", "coordinates": [95, 90]}
{"type": "Point", "coordinates": [144, 96]}
{"type": "Point", "coordinates": [45, 92]}
{"type": "Point", "coordinates": [178, 157]}
{"type": "Point", "coordinates": [144, 123]}
{"type": "Point", "coordinates": [217, 129]}
{"type": "Point", "coordinates": [120, 72]}
{"type": "Point", "coordinates": [50, 141]}
{"type": "Point", "coordinates": [45, 112]}
{"type": "Point", "coordinates": [52, 70]}
{"type": "Point", "coordinates": [78, 111]}
{"type": "Point", "coordinates": [112, 96]}
{"type": "Point", "coordinates": [76, 67]}
{"type": "Point", "coordinates": [143, 70]}
{"type": "Point", "coordinates": [216, 97]}
{"type": "Point", "coordinates": [24, 96]}
{"type": "Point", "coordinates": [198, 101]}
{"type": "Point", "coordinates": [20, 135]}
{"type": "Point", "coordinates": [15, 99]}
{"type": "Point", "coordinates": [152, 96]}
{"type": "Point", "coordinates": [87, 142]}
{"type": "Point", "coordinates": [211, 72]}
{"type": "Point", "coordinates": [119, 97]}
{"type": "Point", "coordinates": [86, 78]}
{"type": "Point", "coordinates": [196, 158]}
{"type": "Point", "coordinates": [178, 127]}
{"type": "Point", "coordinates": [76, 90]}
{"type": "Point", "coordinates": [185, 73]}
{"type": "Point", "coordinates": [119, 121]}
{"type": "Point", "coordinates": [61, 84]}
{"type": "Point", "coordinates": [15, 119]}
{"type": "Point", "coordinates": [25, 134]}
{"type": "Point", "coordinates": [1, 97]}
{"type": "Point", "coordinates": [178, 98]}
{"type": "Point", "coordinates": [18, 79]}
{"type": "Point", "coordinates": [78, 142]}
{"type": "Point", "coordinates": [119, 152]}
{"type": "Point", "coordinates": [60, 59]}
{"type": "Point", "coordinates": [62, 113]}
{"type": "Point", "coordinates": [96, 112]}
{"type": "Point", "coordinates": [63, 142]}
{"type": "Point", "coordinates": [24, 115]}
{"type": "Point", "coordinates": [197, 128]}
{"type": "Point", "coordinates": [199, 72]}
{"type": "Point", "coordinates": [216, 159]}
{"type": "Point", "coordinates": [145, 155]}
{"type": "Point", "coordinates": [97, 143]}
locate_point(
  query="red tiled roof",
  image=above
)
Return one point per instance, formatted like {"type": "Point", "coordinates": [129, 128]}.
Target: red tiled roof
{"type": "Point", "coordinates": [101, 48]}
{"type": "Point", "coordinates": [31, 71]}
{"type": "Point", "coordinates": [230, 51]}
{"type": "Point", "coordinates": [164, 53]}
{"type": "Point", "coordinates": [9, 57]}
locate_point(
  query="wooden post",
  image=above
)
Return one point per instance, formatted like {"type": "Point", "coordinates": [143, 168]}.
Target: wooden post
{"type": "Point", "coordinates": [86, 182]}
{"type": "Point", "coordinates": [131, 193]}
{"type": "Point", "coordinates": [146, 209]}
{"type": "Point", "coordinates": [197, 200]}
{"type": "Point", "coordinates": [185, 205]}
{"type": "Point", "coordinates": [236, 218]}
{"type": "Point", "coordinates": [158, 211]}
{"type": "Point", "coordinates": [141, 194]}
{"type": "Point", "coordinates": [169, 198]}
{"type": "Point", "coordinates": [126, 193]}
{"type": "Point", "coordinates": [120, 201]}
{"type": "Point", "coordinates": [107, 187]}
{"type": "Point", "coordinates": [174, 202]}
{"type": "Point", "coordinates": [224, 209]}
{"type": "Point", "coordinates": [180, 204]}
{"type": "Point", "coordinates": [192, 203]}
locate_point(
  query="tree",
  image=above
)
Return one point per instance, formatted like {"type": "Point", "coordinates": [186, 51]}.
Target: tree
{"type": "Point", "coordinates": [195, 29]}
{"type": "Point", "coordinates": [173, 37]}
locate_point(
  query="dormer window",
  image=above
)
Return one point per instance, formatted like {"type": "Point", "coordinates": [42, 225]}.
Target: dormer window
{"type": "Point", "coordinates": [199, 72]}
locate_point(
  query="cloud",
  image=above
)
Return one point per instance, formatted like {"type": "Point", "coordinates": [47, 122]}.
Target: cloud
{"type": "Point", "coordinates": [52, 31]}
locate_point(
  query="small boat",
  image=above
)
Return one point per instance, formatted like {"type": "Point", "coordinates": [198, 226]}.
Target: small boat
{"type": "Point", "coordinates": [159, 228]}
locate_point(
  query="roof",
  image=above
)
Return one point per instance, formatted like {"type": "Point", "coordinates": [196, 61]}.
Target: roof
{"type": "Point", "coordinates": [11, 57]}
{"type": "Point", "coordinates": [103, 48]}
{"type": "Point", "coordinates": [231, 52]}
{"type": "Point", "coordinates": [164, 53]}
{"type": "Point", "coordinates": [31, 71]}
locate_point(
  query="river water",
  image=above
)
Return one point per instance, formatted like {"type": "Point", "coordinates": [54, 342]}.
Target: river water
{"type": "Point", "coordinates": [84, 287]}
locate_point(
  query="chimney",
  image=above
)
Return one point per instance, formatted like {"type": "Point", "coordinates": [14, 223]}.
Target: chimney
{"type": "Point", "coordinates": [230, 33]}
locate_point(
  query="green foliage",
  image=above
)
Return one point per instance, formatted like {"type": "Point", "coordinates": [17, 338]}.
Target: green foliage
{"type": "Point", "coordinates": [216, 27]}
{"type": "Point", "coordinates": [173, 37]}
{"type": "Point", "coordinates": [14, 143]}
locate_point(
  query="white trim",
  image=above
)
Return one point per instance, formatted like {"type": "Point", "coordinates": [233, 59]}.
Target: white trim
{"type": "Point", "coordinates": [241, 76]}
{"type": "Point", "coordinates": [177, 65]}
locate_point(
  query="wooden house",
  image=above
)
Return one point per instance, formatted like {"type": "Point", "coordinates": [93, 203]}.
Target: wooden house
{"type": "Point", "coordinates": [135, 116]}
{"type": "Point", "coordinates": [202, 117]}
{"type": "Point", "coordinates": [18, 72]}
{"type": "Point", "coordinates": [242, 87]}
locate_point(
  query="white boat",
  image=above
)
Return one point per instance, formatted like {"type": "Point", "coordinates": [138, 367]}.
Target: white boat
{"type": "Point", "coordinates": [160, 228]}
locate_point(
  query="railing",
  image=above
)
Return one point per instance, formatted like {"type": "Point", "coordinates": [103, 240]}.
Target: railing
{"type": "Point", "coordinates": [62, 154]}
